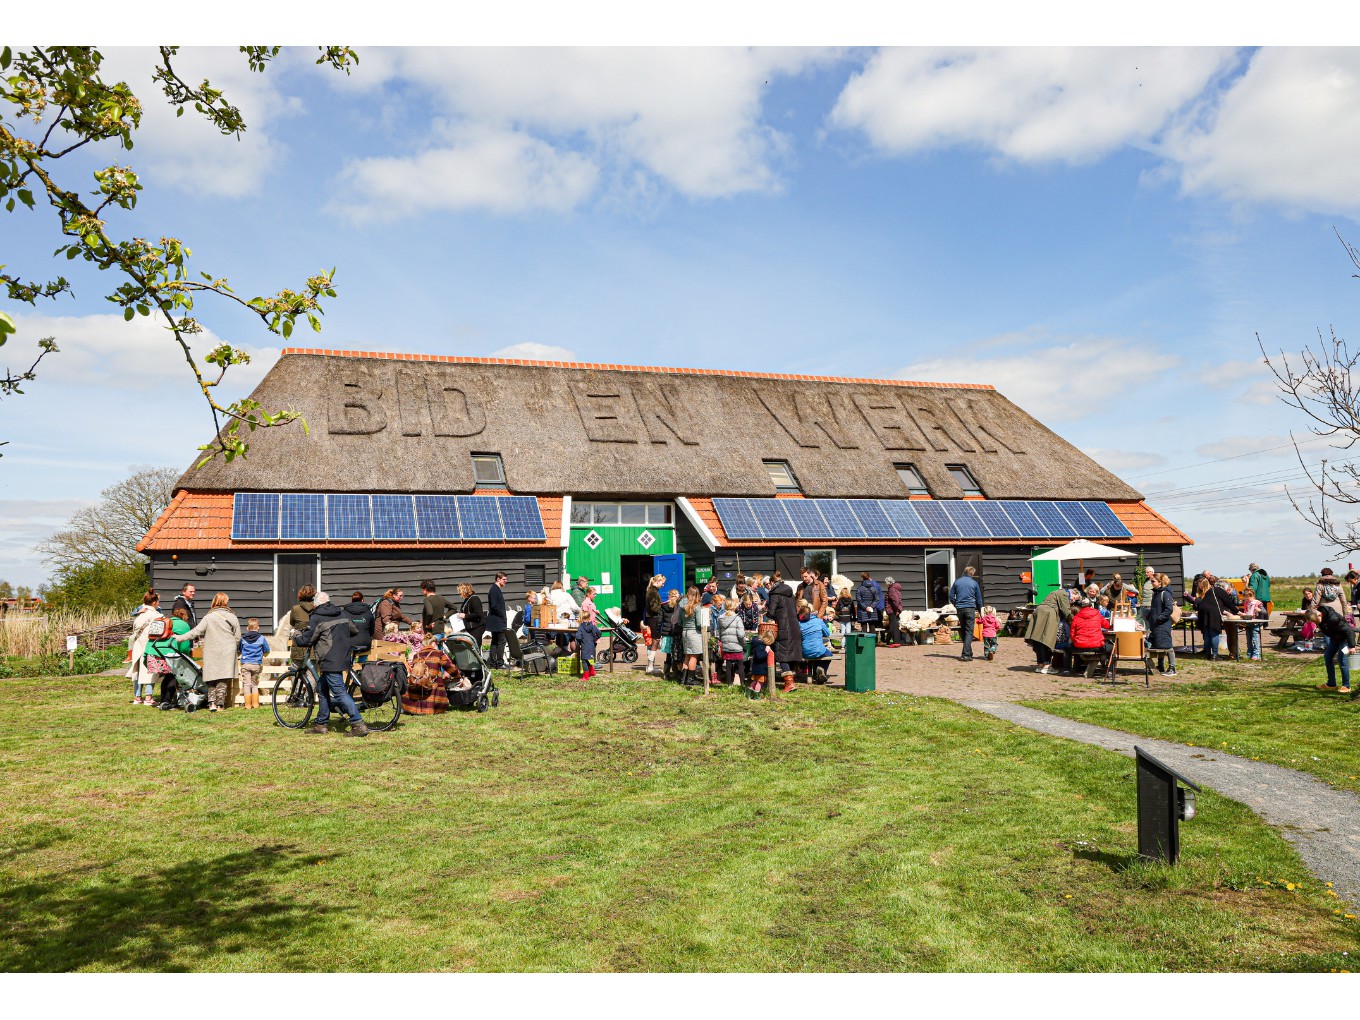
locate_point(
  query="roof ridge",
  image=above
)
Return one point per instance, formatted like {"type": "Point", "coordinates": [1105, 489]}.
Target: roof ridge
{"type": "Point", "coordinates": [453, 359]}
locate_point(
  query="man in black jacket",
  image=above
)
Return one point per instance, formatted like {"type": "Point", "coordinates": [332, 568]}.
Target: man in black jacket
{"type": "Point", "coordinates": [330, 635]}
{"type": "Point", "coordinates": [185, 600]}
{"type": "Point", "coordinates": [362, 618]}
{"type": "Point", "coordinates": [788, 645]}
{"type": "Point", "coordinates": [497, 621]}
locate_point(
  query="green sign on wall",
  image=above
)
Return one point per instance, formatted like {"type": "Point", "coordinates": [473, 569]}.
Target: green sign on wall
{"type": "Point", "coordinates": [703, 574]}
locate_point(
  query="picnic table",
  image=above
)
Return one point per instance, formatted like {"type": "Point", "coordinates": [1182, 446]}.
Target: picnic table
{"type": "Point", "coordinates": [1017, 619]}
{"type": "Point", "coordinates": [1188, 631]}
{"type": "Point", "coordinates": [1288, 633]}
{"type": "Point", "coordinates": [1234, 625]}
{"type": "Point", "coordinates": [550, 633]}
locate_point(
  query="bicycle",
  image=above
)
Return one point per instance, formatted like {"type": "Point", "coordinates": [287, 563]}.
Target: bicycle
{"type": "Point", "coordinates": [293, 710]}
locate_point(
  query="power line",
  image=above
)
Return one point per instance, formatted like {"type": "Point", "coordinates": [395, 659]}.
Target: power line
{"type": "Point", "coordinates": [1172, 496]}
{"type": "Point", "coordinates": [1236, 456]}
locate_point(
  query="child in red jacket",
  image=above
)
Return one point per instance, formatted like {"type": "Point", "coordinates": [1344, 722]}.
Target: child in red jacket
{"type": "Point", "coordinates": [991, 627]}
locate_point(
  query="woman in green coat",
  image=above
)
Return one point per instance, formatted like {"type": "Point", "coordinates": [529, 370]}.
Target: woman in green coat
{"type": "Point", "coordinates": [1045, 625]}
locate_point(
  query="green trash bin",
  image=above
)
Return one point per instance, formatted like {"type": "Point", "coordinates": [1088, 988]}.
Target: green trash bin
{"type": "Point", "coordinates": [860, 662]}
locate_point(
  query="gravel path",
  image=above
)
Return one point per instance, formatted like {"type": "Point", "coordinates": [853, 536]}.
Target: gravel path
{"type": "Point", "coordinates": [1323, 823]}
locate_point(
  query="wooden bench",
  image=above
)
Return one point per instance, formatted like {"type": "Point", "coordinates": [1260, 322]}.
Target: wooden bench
{"type": "Point", "coordinates": [1287, 635]}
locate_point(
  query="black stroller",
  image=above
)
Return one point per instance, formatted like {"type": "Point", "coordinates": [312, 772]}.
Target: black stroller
{"type": "Point", "coordinates": [623, 646]}
{"type": "Point", "coordinates": [189, 689]}
{"type": "Point", "coordinates": [467, 657]}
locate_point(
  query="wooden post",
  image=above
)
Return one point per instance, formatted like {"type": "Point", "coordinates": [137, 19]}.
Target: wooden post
{"type": "Point", "coordinates": [705, 616]}
{"type": "Point", "coordinates": [71, 641]}
{"type": "Point", "coordinates": [769, 674]}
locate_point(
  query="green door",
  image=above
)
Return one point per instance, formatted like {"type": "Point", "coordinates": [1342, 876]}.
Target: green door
{"type": "Point", "coordinates": [596, 551]}
{"type": "Point", "coordinates": [1047, 576]}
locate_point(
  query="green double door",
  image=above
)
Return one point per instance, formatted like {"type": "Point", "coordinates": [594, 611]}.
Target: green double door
{"type": "Point", "coordinates": [617, 559]}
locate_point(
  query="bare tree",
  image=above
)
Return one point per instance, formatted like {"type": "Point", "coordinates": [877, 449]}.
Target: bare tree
{"type": "Point", "coordinates": [1321, 384]}
{"type": "Point", "coordinates": [110, 530]}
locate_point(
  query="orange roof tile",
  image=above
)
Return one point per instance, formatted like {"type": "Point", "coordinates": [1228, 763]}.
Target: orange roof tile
{"type": "Point", "coordinates": [449, 359]}
{"type": "Point", "coordinates": [1147, 527]}
{"type": "Point", "coordinates": [202, 520]}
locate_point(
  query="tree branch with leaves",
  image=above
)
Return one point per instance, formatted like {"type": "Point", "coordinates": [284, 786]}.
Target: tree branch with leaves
{"type": "Point", "coordinates": [61, 91]}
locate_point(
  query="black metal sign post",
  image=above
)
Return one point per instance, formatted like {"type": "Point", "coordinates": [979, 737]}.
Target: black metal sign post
{"type": "Point", "coordinates": [1162, 806]}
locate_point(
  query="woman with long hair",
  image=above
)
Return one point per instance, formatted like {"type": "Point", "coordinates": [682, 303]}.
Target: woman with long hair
{"type": "Point", "coordinates": [1209, 602]}
{"type": "Point", "coordinates": [472, 614]}
{"type": "Point", "coordinates": [691, 637]}
{"type": "Point", "coordinates": [652, 604]}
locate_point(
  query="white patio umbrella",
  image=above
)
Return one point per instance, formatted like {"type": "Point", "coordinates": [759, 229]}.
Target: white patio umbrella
{"type": "Point", "coordinates": [1082, 550]}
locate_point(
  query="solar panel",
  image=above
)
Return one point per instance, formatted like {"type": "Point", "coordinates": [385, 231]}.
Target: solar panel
{"type": "Point", "coordinates": [965, 518]}
{"type": "Point", "coordinates": [394, 518]}
{"type": "Point", "coordinates": [866, 518]}
{"type": "Point", "coordinates": [902, 513]}
{"type": "Point", "coordinates": [841, 518]}
{"type": "Point", "coordinates": [737, 519]}
{"type": "Point", "coordinates": [1108, 524]}
{"type": "Point", "coordinates": [348, 516]}
{"type": "Point", "coordinates": [937, 522]}
{"type": "Point", "coordinates": [523, 523]}
{"type": "Point", "coordinates": [806, 518]}
{"type": "Point", "coordinates": [1081, 520]}
{"type": "Point", "coordinates": [1027, 523]}
{"type": "Point", "coordinates": [1057, 525]}
{"type": "Point", "coordinates": [302, 515]}
{"type": "Point", "coordinates": [437, 517]}
{"type": "Point", "coordinates": [255, 515]}
{"type": "Point", "coordinates": [773, 519]}
{"type": "Point", "coordinates": [995, 518]}
{"type": "Point", "coordinates": [479, 517]}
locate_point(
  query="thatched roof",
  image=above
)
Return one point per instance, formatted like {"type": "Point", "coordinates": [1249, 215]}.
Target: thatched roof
{"type": "Point", "coordinates": [400, 423]}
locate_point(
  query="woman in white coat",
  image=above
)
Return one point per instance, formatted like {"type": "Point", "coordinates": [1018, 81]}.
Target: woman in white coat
{"type": "Point", "coordinates": [220, 632]}
{"type": "Point", "coordinates": [142, 680]}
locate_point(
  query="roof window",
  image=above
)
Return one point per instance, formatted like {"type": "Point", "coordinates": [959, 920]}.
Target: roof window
{"type": "Point", "coordinates": [487, 469]}
{"type": "Point", "coordinates": [781, 475]}
{"type": "Point", "coordinates": [964, 478]}
{"type": "Point", "coordinates": [911, 478]}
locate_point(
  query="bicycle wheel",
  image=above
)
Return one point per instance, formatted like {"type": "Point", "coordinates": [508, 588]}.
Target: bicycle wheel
{"type": "Point", "coordinates": [294, 705]}
{"type": "Point", "coordinates": [376, 717]}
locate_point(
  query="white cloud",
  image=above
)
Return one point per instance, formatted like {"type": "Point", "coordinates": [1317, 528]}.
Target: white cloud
{"type": "Point", "coordinates": [690, 118]}
{"type": "Point", "coordinates": [1057, 380]}
{"type": "Point", "coordinates": [1287, 131]}
{"type": "Point", "coordinates": [504, 171]}
{"type": "Point", "coordinates": [1123, 460]}
{"type": "Point", "coordinates": [1029, 104]}
{"type": "Point", "coordinates": [535, 352]}
{"type": "Point", "coordinates": [23, 524]}
{"type": "Point", "coordinates": [118, 355]}
{"type": "Point", "coordinates": [187, 152]}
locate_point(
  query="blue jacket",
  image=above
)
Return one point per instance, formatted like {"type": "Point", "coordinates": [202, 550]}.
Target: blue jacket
{"type": "Point", "coordinates": [254, 648]}
{"type": "Point", "coordinates": [815, 632]}
{"type": "Point", "coordinates": [966, 593]}
{"type": "Point", "coordinates": [586, 636]}
{"type": "Point", "coordinates": [869, 599]}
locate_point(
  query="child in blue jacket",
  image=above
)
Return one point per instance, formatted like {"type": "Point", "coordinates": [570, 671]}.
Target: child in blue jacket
{"type": "Point", "coordinates": [586, 636]}
{"type": "Point", "coordinates": [254, 647]}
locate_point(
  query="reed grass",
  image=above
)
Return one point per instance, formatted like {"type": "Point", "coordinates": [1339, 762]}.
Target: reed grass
{"type": "Point", "coordinates": [29, 636]}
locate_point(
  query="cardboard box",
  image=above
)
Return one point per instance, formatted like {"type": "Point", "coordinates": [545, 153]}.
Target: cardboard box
{"type": "Point", "coordinates": [545, 615]}
{"type": "Point", "coordinates": [388, 651]}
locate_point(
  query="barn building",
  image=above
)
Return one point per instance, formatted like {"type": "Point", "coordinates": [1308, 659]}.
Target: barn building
{"type": "Point", "coordinates": [454, 468]}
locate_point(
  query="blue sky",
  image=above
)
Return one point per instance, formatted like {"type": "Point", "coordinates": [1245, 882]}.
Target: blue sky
{"type": "Point", "coordinates": [1099, 233]}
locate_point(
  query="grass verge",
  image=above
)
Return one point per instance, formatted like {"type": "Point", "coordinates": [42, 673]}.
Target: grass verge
{"type": "Point", "coordinates": [1273, 714]}
{"type": "Point", "coordinates": [620, 825]}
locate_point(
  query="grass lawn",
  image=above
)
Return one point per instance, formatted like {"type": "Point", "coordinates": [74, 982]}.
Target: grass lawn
{"type": "Point", "coordinates": [1274, 713]}
{"type": "Point", "coordinates": [616, 825]}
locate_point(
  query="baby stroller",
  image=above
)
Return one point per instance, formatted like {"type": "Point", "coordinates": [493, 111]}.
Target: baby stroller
{"type": "Point", "coordinates": [467, 657]}
{"type": "Point", "coordinates": [624, 645]}
{"type": "Point", "coordinates": [189, 690]}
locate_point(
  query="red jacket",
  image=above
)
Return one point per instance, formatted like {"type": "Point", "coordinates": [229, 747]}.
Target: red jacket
{"type": "Point", "coordinates": [1087, 628]}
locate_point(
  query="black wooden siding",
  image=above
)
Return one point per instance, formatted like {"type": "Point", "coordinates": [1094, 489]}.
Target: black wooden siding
{"type": "Point", "coordinates": [248, 578]}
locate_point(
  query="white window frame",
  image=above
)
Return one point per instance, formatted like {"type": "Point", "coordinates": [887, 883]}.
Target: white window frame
{"type": "Point", "coordinates": [620, 504]}
{"type": "Point", "coordinates": [835, 566]}
{"type": "Point", "coordinates": [925, 564]}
